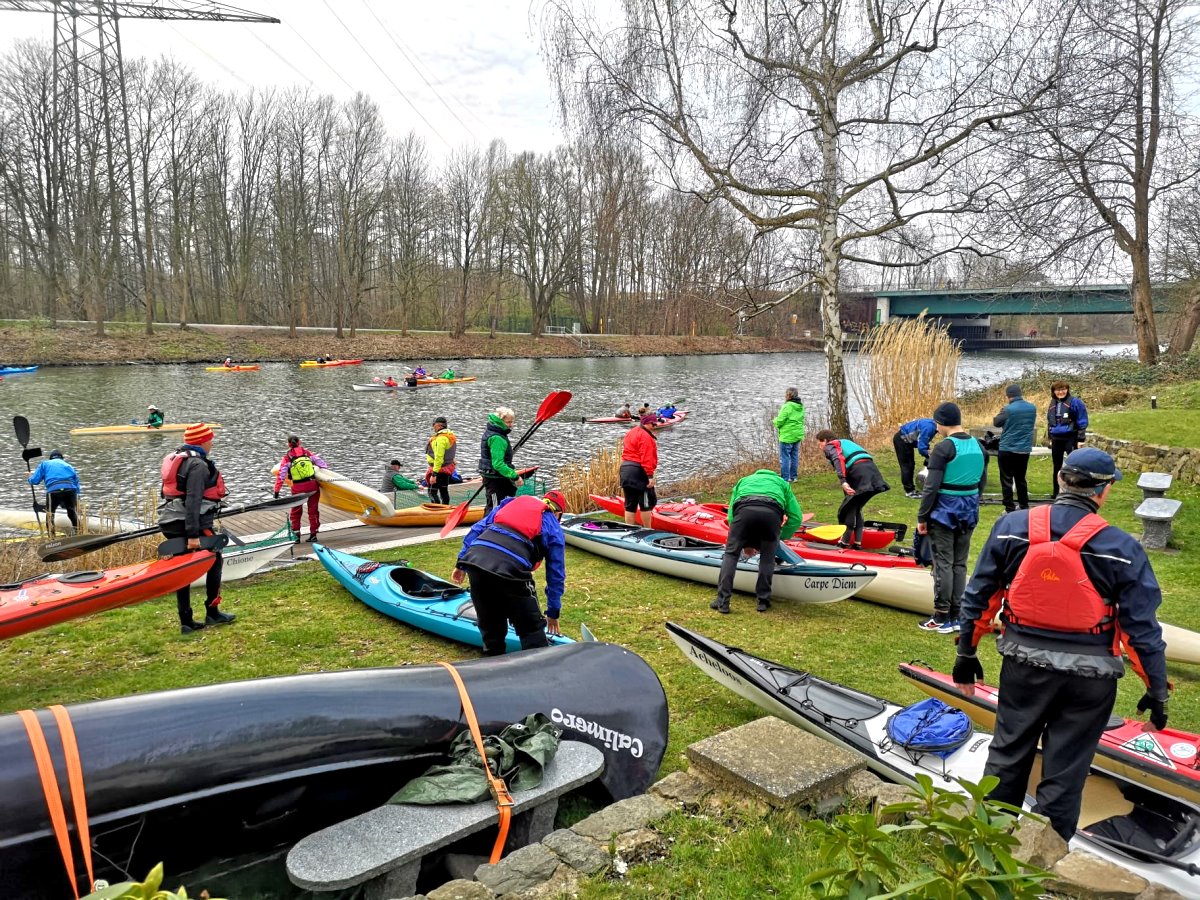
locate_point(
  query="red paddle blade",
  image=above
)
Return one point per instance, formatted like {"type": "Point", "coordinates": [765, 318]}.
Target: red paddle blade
{"type": "Point", "coordinates": [553, 404]}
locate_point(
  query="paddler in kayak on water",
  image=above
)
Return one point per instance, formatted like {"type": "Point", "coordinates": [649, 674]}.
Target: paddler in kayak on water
{"type": "Point", "coordinates": [666, 412]}
{"type": "Point", "coordinates": [500, 479]}
{"type": "Point", "coordinates": [625, 412]}
{"type": "Point", "coordinates": [419, 372]}
{"type": "Point", "coordinates": [154, 417]}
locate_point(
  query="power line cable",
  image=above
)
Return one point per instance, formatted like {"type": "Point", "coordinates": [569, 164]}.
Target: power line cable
{"type": "Point", "coordinates": [209, 55]}
{"type": "Point", "coordinates": [421, 75]}
{"type": "Point", "coordinates": [316, 53]}
{"type": "Point", "coordinates": [281, 57]}
{"type": "Point", "coordinates": [386, 76]}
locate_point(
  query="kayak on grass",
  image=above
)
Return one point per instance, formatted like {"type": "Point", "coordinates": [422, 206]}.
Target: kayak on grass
{"type": "Point", "coordinates": [253, 368]}
{"type": "Point", "coordinates": [136, 429]}
{"type": "Point", "coordinates": [240, 561]}
{"type": "Point", "coordinates": [257, 765]}
{"type": "Point", "coordinates": [349, 496]}
{"type": "Point", "coordinates": [697, 560]}
{"type": "Point", "coordinates": [50, 599]}
{"type": "Point", "coordinates": [1166, 761]}
{"type": "Point", "coordinates": [18, 370]}
{"type": "Point", "coordinates": [1113, 807]}
{"type": "Point", "coordinates": [330, 364]}
{"type": "Point", "coordinates": [413, 597]}
{"type": "Point", "coordinates": [422, 515]}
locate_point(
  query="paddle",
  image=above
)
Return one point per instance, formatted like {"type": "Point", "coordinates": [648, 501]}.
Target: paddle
{"type": "Point", "coordinates": [69, 548]}
{"type": "Point", "coordinates": [21, 427]}
{"type": "Point", "coordinates": [178, 546]}
{"type": "Point", "coordinates": [823, 532]}
{"type": "Point", "coordinates": [553, 404]}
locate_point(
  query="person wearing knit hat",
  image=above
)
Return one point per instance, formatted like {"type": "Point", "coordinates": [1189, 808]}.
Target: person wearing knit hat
{"type": "Point", "coordinates": [861, 482]}
{"type": "Point", "coordinates": [499, 555]}
{"type": "Point", "coordinates": [949, 512]}
{"type": "Point", "coordinates": [1018, 419]}
{"type": "Point", "coordinates": [639, 462]}
{"type": "Point", "coordinates": [299, 468]}
{"type": "Point", "coordinates": [192, 489]}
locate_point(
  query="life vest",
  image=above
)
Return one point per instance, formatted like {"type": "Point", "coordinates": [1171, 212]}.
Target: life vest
{"type": "Point", "coordinates": [851, 452]}
{"type": "Point", "coordinates": [1052, 590]}
{"type": "Point", "coordinates": [174, 481]}
{"type": "Point", "coordinates": [451, 450]}
{"type": "Point", "coordinates": [486, 468]}
{"type": "Point", "coordinates": [301, 468]}
{"type": "Point", "coordinates": [964, 471]}
{"type": "Point", "coordinates": [508, 547]}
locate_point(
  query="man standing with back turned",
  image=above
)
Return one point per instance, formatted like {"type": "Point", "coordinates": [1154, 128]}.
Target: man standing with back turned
{"type": "Point", "coordinates": [1072, 591]}
{"type": "Point", "coordinates": [1016, 443]}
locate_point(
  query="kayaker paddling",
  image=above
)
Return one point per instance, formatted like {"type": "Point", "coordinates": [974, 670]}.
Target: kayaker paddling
{"type": "Point", "coordinates": [154, 417]}
{"type": "Point", "coordinates": [192, 488]}
{"type": "Point", "coordinates": [639, 462]}
{"type": "Point", "coordinates": [499, 555]}
{"type": "Point", "coordinates": [625, 412]}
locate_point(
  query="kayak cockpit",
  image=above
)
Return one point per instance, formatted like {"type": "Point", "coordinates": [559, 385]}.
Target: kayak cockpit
{"type": "Point", "coordinates": [422, 585]}
{"type": "Point", "coordinates": [682, 542]}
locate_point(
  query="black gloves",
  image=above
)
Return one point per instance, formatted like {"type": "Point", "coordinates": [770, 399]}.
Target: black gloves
{"type": "Point", "coordinates": [277, 495]}
{"type": "Point", "coordinates": [967, 670]}
{"type": "Point", "coordinates": [1157, 708]}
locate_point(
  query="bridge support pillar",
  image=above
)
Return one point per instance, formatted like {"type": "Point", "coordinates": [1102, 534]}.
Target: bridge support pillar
{"type": "Point", "coordinates": [883, 310]}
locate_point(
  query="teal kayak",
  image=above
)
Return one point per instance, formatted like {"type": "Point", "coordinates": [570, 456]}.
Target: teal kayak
{"type": "Point", "coordinates": [17, 370]}
{"type": "Point", "coordinates": [413, 597]}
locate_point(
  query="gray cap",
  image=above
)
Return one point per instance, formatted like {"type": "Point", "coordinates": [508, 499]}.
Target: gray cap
{"type": "Point", "coordinates": [1012, 391]}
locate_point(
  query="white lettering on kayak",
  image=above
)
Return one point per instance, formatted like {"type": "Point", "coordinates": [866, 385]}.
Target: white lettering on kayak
{"type": "Point", "coordinates": [614, 740]}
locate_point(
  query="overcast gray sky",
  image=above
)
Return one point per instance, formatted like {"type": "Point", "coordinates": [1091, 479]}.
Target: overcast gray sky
{"type": "Point", "coordinates": [464, 71]}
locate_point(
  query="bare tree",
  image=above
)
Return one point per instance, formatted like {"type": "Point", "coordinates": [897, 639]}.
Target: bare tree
{"type": "Point", "coordinates": [466, 182]}
{"type": "Point", "coordinates": [849, 119]}
{"type": "Point", "coordinates": [408, 222]}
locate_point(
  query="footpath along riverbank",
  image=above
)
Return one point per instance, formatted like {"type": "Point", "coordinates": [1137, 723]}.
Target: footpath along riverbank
{"type": "Point", "coordinates": [30, 343]}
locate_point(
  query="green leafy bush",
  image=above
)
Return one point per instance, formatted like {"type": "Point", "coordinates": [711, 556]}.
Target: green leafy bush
{"type": "Point", "coordinates": [150, 889]}
{"type": "Point", "coordinates": [966, 843]}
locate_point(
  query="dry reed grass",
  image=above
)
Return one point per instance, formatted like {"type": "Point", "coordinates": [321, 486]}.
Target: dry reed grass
{"type": "Point", "coordinates": [599, 474]}
{"type": "Point", "coordinates": [909, 367]}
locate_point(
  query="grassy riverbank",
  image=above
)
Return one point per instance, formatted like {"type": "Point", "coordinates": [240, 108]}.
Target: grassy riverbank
{"type": "Point", "coordinates": [298, 621]}
{"type": "Point", "coordinates": [34, 343]}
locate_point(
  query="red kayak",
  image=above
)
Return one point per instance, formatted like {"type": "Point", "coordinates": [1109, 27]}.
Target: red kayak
{"type": "Point", "coordinates": [710, 522]}
{"type": "Point", "coordinates": [1166, 761]}
{"type": "Point", "coordinates": [611, 420]}
{"type": "Point", "coordinates": [679, 416]}
{"type": "Point", "coordinates": [50, 599]}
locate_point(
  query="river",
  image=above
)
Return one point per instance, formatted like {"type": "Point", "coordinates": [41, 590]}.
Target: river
{"type": "Point", "coordinates": [730, 398]}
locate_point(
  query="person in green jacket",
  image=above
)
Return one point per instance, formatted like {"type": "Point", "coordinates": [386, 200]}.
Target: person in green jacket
{"type": "Point", "coordinates": [154, 417]}
{"type": "Point", "coordinates": [500, 479]}
{"type": "Point", "coordinates": [790, 425]}
{"type": "Point", "coordinates": [762, 512]}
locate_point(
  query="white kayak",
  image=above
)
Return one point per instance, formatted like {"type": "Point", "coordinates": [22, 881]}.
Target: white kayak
{"type": "Point", "coordinates": [243, 560]}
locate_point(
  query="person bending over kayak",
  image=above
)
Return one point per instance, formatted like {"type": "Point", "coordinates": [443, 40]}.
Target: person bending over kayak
{"type": "Point", "coordinates": [300, 468]}
{"type": "Point", "coordinates": [62, 488]}
{"type": "Point", "coordinates": [500, 479]}
{"type": "Point", "coordinates": [192, 489]}
{"type": "Point", "coordinates": [860, 479]}
{"type": "Point", "coordinates": [762, 512]}
{"type": "Point", "coordinates": [912, 436]}
{"type": "Point", "coordinates": [639, 462]}
{"type": "Point", "coordinates": [440, 451]}
{"type": "Point", "coordinates": [499, 555]}
{"type": "Point", "coordinates": [154, 417]}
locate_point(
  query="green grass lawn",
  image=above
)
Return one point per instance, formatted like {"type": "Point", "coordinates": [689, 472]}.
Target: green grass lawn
{"type": "Point", "coordinates": [298, 621]}
{"type": "Point", "coordinates": [1175, 423]}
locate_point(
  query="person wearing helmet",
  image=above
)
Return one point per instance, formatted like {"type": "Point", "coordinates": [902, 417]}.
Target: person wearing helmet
{"type": "Point", "coordinates": [62, 488]}
{"type": "Point", "coordinates": [154, 417]}
{"type": "Point", "coordinates": [499, 555]}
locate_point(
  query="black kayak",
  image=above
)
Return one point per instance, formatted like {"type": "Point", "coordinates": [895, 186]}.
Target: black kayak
{"type": "Point", "coordinates": [191, 775]}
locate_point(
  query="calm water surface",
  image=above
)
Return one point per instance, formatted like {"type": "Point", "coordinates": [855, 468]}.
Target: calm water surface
{"type": "Point", "coordinates": [730, 398]}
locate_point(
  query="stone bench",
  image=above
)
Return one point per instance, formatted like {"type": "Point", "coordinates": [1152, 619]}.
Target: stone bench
{"type": "Point", "coordinates": [383, 848]}
{"type": "Point", "coordinates": [1156, 514]}
{"type": "Point", "coordinates": [1154, 484]}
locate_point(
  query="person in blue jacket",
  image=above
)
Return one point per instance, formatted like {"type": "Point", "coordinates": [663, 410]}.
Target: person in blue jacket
{"type": "Point", "coordinates": [1067, 419]}
{"type": "Point", "coordinates": [62, 487]}
{"type": "Point", "coordinates": [666, 412]}
{"type": "Point", "coordinates": [1072, 593]}
{"type": "Point", "coordinates": [912, 436]}
{"type": "Point", "coordinates": [1018, 419]}
{"type": "Point", "coordinates": [499, 555]}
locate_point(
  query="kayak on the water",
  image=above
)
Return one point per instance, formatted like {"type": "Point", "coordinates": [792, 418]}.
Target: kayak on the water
{"type": "Point", "coordinates": [1118, 819]}
{"type": "Point", "coordinates": [136, 429]}
{"type": "Point", "coordinates": [253, 368]}
{"type": "Point", "coordinates": [455, 380]}
{"type": "Point", "coordinates": [611, 420]}
{"type": "Point", "coordinates": [674, 420]}
{"type": "Point", "coordinates": [331, 363]}
{"type": "Point", "coordinates": [18, 370]}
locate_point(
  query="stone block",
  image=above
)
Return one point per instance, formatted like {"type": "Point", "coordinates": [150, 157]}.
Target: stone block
{"type": "Point", "coordinates": [462, 889]}
{"type": "Point", "coordinates": [1086, 877]}
{"type": "Point", "coordinates": [577, 851]}
{"type": "Point", "coordinates": [886, 795]}
{"type": "Point", "coordinates": [519, 871]}
{"type": "Point", "coordinates": [640, 846]}
{"type": "Point", "coordinates": [1156, 516]}
{"type": "Point", "coordinates": [564, 881]}
{"type": "Point", "coordinates": [1154, 484]}
{"type": "Point", "coordinates": [1160, 892]}
{"type": "Point", "coordinates": [775, 762]}
{"type": "Point", "coordinates": [625, 815]}
{"type": "Point", "coordinates": [687, 789]}
{"type": "Point", "coordinates": [863, 785]}
{"type": "Point", "coordinates": [1040, 845]}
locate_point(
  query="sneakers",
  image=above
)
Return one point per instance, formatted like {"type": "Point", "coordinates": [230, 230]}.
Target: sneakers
{"type": "Point", "coordinates": [189, 627]}
{"type": "Point", "coordinates": [311, 539]}
{"type": "Point", "coordinates": [721, 606]}
{"type": "Point", "coordinates": [943, 626]}
{"type": "Point", "coordinates": [764, 605]}
{"type": "Point", "coordinates": [219, 618]}
{"type": "Point", "coordinates": [913, 495]}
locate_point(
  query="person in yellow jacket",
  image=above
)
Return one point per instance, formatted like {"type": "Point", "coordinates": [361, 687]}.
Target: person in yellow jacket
{"type": "Point", "coordinates": [440, 452]}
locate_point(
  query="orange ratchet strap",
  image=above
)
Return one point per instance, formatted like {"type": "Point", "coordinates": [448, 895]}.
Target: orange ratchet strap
{"type": "Point", "coordinates": [54, 803]}
{"type": "Point", "coordinates": [496, 785]}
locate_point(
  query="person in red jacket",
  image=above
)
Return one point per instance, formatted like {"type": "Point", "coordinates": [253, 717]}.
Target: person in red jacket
{"type": "Point", "coordinates": [639, 461]}
{"type": "Point", "coordinates": [299, 467]}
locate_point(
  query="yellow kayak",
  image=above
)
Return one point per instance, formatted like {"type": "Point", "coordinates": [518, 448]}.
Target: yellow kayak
{"type": "Point", "coordinates": [333, 363]}
{"type": "Point", "coordinates": [445, 380]}
{"type": "Point", "coordinates": [231, 368]}
{"type": "Point", "coordinates": [136, 429]}
{"type": "Point", "coordinates": [423, 515]}
{"type": "Point", "coordinates": [350, 496]}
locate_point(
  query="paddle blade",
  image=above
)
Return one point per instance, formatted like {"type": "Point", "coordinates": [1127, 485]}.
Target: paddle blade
{"type": "Point", "coordinates": [826, 532]}
{"type": "Point", "coordinates": [31, 453]}
{"type": "Point", "coordinates": [21, 427]}
{"type": "Point", "coordinates": [458, 514]}
{"type": "Point", "coordinates": [71, 547]}
{"type": "Point", "coordinates": [554, 403]}
{"type": "Point", "coordinates": [585, 633]}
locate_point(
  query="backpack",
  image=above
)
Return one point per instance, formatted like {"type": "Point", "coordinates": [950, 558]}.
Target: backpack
{"type": "Point", "coordinates": [302, 468]}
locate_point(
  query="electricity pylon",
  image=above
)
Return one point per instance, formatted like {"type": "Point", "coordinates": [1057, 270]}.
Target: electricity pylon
{"type": "Point", "coordinates": [93, 149]}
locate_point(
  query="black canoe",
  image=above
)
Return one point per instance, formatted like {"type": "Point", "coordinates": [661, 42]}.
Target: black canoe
{"type": "Point", "coordinates": [191, 775]}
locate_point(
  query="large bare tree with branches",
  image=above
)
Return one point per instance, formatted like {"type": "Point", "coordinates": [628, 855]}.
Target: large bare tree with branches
{"type": "Point", "coordinates": [848, 118]}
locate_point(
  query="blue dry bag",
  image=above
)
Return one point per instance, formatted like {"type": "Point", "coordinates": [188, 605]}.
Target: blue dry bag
{"type": "Point", "coordinates": [929, 727]}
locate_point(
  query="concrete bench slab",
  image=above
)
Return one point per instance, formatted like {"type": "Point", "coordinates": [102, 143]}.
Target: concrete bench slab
{"type": "Point", "coordinates": [1154, 484]}
{"type": "Point", "coordinates": [1157, 514]}
{"type": "Point", "coordinates": [384, 846]}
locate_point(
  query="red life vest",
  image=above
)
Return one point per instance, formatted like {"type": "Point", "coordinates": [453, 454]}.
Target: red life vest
{"type": "Point", "coordinates": [173, 483]}
{"type": "Point", "coordinates": [522, 515]}
{"type": "Point", "coordinates": [1052, 590]}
